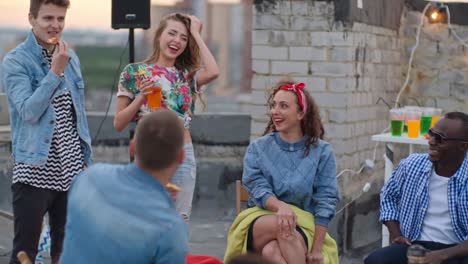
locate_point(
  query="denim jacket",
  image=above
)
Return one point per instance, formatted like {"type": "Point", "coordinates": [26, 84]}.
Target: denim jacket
{"type": "Point", "coordinates": [30, 87]}
{"type": "Point", "coordinates": [121, 214]}
{"type": "Point", "coordinates": [273, 167]}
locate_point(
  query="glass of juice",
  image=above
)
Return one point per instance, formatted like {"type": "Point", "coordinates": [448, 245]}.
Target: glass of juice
{"type": "Point", "coordinates": [435, 116]}
{"type": "Point", "coordinates": [405, 109]}
{"type": "Point", "coordinates": [397, 120]}
{"type": "Point", "coordinates": [426, 119]}
{"type": "Point", "coordinates": [413, 119]}
{"type": "Point", "coordinates": [154, 98]}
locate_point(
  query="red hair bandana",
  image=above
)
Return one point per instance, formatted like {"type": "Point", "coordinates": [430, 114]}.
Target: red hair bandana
{"type": "Point", "coordinates": [297, 88]}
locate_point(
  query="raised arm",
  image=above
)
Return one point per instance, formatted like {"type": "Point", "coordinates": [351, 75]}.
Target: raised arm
{"type": "Point", "coordinates": [128, 103]}
{"type": "Point", "coordinates": [30, 103]}
{"type": "Point", "coordinates": [210, 70]}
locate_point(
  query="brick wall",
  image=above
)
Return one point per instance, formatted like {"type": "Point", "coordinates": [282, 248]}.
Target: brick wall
{"type": "Point", "coordinates": [345, 68]}
{"type": "Point", "coordinates": [440, 75]}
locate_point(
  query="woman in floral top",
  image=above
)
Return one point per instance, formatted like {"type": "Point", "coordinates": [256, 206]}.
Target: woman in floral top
{"type": "Point", "coordinates": [175, 66]}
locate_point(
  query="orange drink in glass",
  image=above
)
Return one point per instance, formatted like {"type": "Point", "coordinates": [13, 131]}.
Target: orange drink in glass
{"type": "Point", "coordinates": [413, 128]}
{"type": "Point", "coordinates": [154, 98]}
{"type": "Point", "coordinates": [436, 116]}
{"type": "Point", "coordinates": [413, 117]}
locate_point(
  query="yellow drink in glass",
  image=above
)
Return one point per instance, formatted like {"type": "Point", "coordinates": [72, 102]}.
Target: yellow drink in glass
{"type": "Point", "coordinates": [436, 116]}
{"type": "Point", "coordinates": [434, 120]}
{"type": "Point", "coordinates": [413, 128]}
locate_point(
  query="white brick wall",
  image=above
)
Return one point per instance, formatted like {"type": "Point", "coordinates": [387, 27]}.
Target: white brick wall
{"type": "Point", "coordinates": [309, 24]}
{"type": "Point", "coordinates": [261, 66]}
{"type": "Point", "coordinates": [270, 22]}
{"type": "Point", "coordinates": [333, 69]}
{"type": "Point", "coordinates": [307, 53]}
{"type": "Point", "coordinates": [289, 67]}
{"type": "Point", "coordinates": [265, 52]}
{"type": "Point", "coordinates": [346, 69]}
{"type": "Point", "coordinates": [440, 68]}
{"type": "Point", "coordinates": [332, 39]}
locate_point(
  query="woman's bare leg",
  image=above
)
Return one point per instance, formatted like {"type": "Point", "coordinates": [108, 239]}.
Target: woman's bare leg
{"type": "Point", "coordinates": [272, 252]}
{"type": "Point", "coordinates": [264, 231]}
{"type": "Point", "coordinates": [293, 249]}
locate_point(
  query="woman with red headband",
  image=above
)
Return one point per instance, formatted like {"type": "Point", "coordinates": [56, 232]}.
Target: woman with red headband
{"type": "Point", "coordinates": [290, 174]}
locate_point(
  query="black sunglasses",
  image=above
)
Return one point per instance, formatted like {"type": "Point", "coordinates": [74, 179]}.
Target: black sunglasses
{"type": "Point", "coordinates": [441, 138]}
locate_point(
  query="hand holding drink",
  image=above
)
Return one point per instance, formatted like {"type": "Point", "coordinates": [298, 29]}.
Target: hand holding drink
{"type": "Point", "coordinates": [154, 98]}
{"type": "Point", "coordinates": [153, 93]}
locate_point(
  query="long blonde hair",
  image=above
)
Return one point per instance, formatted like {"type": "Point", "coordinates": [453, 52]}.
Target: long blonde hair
{"type": "Point", "coordinates": [190, 57]}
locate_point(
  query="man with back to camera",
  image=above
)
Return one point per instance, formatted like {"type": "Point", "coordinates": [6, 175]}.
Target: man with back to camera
{"type": "Point", "coordinates": [50, 135]}
{"type": "Point", "coordinates": [123, 213]}
{"type": "Point", "coordinates": [425, 201]}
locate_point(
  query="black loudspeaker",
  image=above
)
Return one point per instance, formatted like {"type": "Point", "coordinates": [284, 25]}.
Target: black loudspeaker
{"type": "Point", "coordinates": [131, 14]}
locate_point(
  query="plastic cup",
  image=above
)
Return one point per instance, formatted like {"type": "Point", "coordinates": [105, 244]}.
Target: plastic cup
{"type": "Point", "coordinates": [396, 122]}
{"type": "Point", "coordinates": [413, 120]}
{"type": "Point", "coordinates": [416, 254]}
{"type": "Point", "coordinates": [426, 119]}
{"type": "Point", "coordinates": [436, 116]}
{"type": "Point", "coordinates": [154, 98]}
{"type": "Point", "coordinates": [406, 109]}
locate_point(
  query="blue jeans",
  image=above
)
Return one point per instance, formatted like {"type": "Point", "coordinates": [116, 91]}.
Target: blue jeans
{"type": "Point", "coordinates": [396, 254]}
{"type": "Point", "coordinates": [185, 177]}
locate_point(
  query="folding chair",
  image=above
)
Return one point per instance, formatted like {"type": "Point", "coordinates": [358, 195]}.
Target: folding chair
{"type": "Point", "coordinates": [241, 196]}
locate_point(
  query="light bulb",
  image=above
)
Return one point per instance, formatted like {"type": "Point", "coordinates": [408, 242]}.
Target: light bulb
{"type": "Point", "coordinates": [435, 16]}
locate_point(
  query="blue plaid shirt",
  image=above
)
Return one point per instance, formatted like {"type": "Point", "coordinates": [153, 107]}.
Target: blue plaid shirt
{"type": "Point", "coordinates": [405, 197]}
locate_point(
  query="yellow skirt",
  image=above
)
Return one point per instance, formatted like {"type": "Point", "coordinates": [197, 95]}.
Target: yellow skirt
{"type": "Point", "coordinates": [237, 237]}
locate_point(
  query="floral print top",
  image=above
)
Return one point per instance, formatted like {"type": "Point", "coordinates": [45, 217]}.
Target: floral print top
{"type": "Point", "coordinates": [178, 89]}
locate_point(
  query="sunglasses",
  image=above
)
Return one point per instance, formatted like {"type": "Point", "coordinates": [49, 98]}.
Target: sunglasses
{"type": "Point", "coordinates": [439, 138]}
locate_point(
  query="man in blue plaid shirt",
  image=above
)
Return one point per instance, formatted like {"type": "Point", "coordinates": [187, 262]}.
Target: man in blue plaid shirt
{"type": "Point", "coordinates": [425, 201]}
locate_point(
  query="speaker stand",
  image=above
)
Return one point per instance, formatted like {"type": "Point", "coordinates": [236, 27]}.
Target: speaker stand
{"type": "Point", "coordinates": [131, 45]}
{"type": "Point", "coordinates": [131, 58]}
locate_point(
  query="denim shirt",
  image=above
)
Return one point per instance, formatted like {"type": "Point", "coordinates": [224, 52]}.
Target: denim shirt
{"type": "Point", "coordinates": [274, 167]}
{"type": "Point", "coordinates": [30, 87]}
{"type": "Point", "coordinates": [405, 197]}
{"type": "Point", "coordinates": [120, 214]}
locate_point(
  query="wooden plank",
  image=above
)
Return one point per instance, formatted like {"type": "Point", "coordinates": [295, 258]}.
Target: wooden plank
{"type": "Point", "coordinates": [382, 13]}
{"type": "Point", "coordinates": [457, 11]}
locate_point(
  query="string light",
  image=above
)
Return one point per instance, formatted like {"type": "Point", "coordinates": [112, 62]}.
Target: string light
{"type": "Point", "coordinates": [435, 15]}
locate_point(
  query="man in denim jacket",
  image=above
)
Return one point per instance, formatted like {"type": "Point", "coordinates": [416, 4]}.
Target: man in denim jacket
{"type": "Point", "coordinates": [50, 137]}
{"type": "Point", "coordinates": [123, 213]}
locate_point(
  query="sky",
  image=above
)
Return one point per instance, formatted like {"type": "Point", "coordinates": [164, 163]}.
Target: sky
{"type": "Point", "coordinates": [83, 14]}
